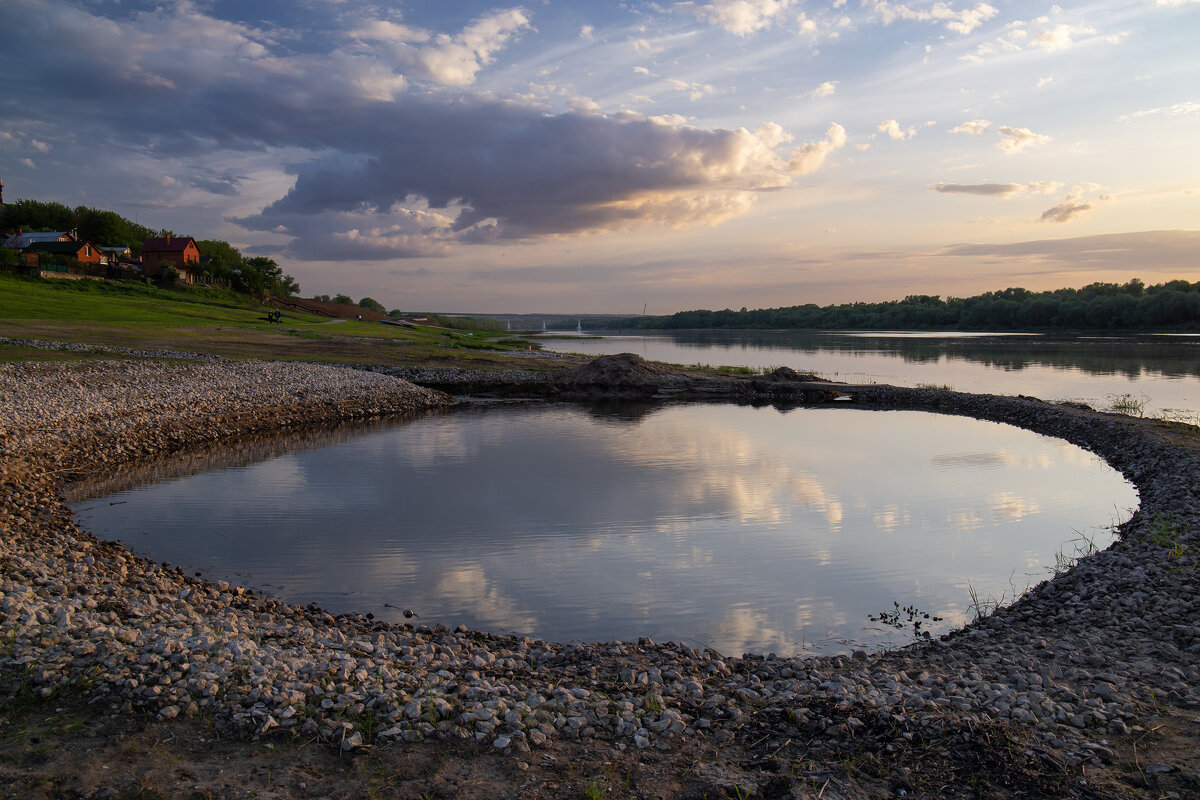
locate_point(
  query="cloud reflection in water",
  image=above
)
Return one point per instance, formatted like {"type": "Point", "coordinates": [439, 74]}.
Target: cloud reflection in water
{"type": "Point", "coordinates": [746, 529]}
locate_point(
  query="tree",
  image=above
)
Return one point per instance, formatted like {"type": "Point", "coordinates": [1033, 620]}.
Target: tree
{"type": "Point", "coordinates": [343, 298]}
{"type": "Point", "coordinates": [320, 298]}
{"type": "Point", "coordinates": [372, 305]}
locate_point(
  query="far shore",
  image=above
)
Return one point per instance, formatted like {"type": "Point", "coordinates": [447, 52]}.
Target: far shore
{"type": "Point", "coordinates": [126, 676]}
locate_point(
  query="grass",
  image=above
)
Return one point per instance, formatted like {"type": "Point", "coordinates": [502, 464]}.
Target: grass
{"type": "Point", "coordinates": [982, 607]}
{"type": "Point", "coordinates": [1127, 404]}
{"type": "Point", "coordinates": [1082, 545]}
{"type": "Point", "coordinates": [134, 314]}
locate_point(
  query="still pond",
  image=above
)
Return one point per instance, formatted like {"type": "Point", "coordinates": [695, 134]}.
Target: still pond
{"type": "Point", "coordinates": [745, 529]}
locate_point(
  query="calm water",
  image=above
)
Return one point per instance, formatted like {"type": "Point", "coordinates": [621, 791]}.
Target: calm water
{"type": "Point", "coordinates": [747, 529]}
{"type": "Point", "coordinates": [1162, 371]}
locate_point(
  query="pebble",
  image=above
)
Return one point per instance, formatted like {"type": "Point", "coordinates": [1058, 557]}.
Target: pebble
{"type": "Point", "coordinates": [1079, 656]}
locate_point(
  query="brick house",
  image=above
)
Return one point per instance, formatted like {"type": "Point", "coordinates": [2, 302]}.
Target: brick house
{"type": "Point", "coordinates": [51, 256]}
{"type": "Point", "coordinates": [176, 251]}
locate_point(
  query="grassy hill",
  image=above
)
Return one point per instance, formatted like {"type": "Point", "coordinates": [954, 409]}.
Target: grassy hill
{"type": "Point", "coordinates": [130, 314]}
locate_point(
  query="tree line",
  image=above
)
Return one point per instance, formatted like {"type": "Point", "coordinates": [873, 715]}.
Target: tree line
{"type": "Point", "coordinates": [256, 275]}
{"type": "Point", "coordinates": [1131, 306]}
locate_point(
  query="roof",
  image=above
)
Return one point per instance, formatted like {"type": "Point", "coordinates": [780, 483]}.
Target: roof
{"type": "Point", "coordinates": [19, 241]}
{"type": "Point", "coordinates": [176, 244]}
{"type": "Point", "coordinates": [57, 247]}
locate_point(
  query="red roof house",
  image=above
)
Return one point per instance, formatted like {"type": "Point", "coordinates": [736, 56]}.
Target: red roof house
{"type": "Point", "coordinates": [173, 250]}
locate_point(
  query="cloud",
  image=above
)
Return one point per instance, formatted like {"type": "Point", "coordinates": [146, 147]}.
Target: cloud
{"type": "Point", "coordinates": [1143, 250]}
{"type": "Point", "coordinates": [1014, 140]}
{"type": "Point", "coordinates": [810, 157]}
{"type": "Point", "coordinates": [1060, 37]}
{"type": "Point", "coordinates": [695, 91]}
{"type": "Point", "coordinates": [826, 89]}
{"type": "Point", "coordinates": [1175, 110]}
{"type": "Point", "coordinates": [960, 22]}
{"type": "Point", "coordinates": [28, 162]}
{"type": "Point", "coordinates": [225, 185]}
{"type": "Point", "coordinates": [501, 171]}
{"type": "Point", "coordinates": [587, 32]}
{"type": "Point", "coordinates": [740, 17]}
{"type": "Point", "coordinates": [997, 189]}
{"type": "Point", "coordinates": [892, 129]}
{"type": "Point", "coordinates": [450, 60]}
{"type": "Point", "coordinates": [974, 127]}
{"type": "Point", "coordinates": [1072, 206]}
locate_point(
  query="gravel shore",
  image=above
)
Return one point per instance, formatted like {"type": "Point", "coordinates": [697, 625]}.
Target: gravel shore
{"type": "Point", "coordinates": [1080, 664]}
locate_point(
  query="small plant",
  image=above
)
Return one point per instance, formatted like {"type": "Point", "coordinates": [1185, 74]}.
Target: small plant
{"type": "Point", "coordinates": [593, 791]}
{"type": "Point", "coordinates": [983, 607]}
{"type": "Point", "coordinates": [1165, 532]}
{"type": "Point", "coordinates": [1082, 545]}
{"type": "Point", "coordinates": [900, 618]}
{"type": "Point", "coordinates": [1128, 404]}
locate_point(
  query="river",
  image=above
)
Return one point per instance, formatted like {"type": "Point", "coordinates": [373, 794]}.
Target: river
{"type": "Point", "coordinates": [1159, 373]}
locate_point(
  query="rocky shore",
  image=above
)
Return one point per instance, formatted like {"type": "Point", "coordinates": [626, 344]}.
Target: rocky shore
{"type": "Point", "coordinates": [1066, 680]}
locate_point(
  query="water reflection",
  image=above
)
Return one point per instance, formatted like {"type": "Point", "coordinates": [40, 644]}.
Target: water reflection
{"type": "Point", "coordinates": [748, 529]}
{"type": "Point", "coordinates": [1166, 369]}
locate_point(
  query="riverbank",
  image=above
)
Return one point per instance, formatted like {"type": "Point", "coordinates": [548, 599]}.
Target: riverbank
{"type": "Point", "coordinates": [1086, 687]}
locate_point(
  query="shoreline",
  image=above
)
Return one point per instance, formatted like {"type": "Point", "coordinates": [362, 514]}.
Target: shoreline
{"type": "Point", "coordinates": [1076, 672]}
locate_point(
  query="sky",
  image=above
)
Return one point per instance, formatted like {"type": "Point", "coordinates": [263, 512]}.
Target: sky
{"type": "Point", "coordinates": [613, 157]}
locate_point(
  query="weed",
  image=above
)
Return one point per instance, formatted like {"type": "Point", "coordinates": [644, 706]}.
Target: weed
{"type": "Point", "coordinates": [984, 607]}
{"type": "Point", "coordinates": [1082, 545]}
{"type": "Point", "coordinates": [654, 703]}
{"type": "Point", "coordinates": [945, 387]}
{"type": "Point", "coordinates": [1128, 404]}
{"type": "Point", "coordinates": [1165, 532]}
{"type": "Point", "coordinates": [911, 616]}
{"type": "Point", "coordinates": [740, 794]}
{"type": "Point", "coordinates": [593, 791]}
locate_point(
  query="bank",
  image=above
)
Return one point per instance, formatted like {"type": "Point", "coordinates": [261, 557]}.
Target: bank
{"type": "Point", "coordinates": [1086, 687]}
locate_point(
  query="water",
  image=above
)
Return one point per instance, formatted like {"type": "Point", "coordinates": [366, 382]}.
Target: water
{"type": "Point", "coordinates": [1161, 371]}
{"type": "Point", "coordinates": [746, 529]}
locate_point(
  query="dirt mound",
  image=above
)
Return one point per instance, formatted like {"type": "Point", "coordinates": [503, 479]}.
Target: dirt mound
{"type": "Point", "coordinates": [789, 374]}
{"type": "Point", "coordinates": [623, 369]}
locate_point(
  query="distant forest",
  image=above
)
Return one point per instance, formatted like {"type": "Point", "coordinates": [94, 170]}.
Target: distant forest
{"type": "Point", "coordinates": [1133, 306]}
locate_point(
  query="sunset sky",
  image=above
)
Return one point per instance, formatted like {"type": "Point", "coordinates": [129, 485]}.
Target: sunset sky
{"type": "Point", "coordinates": [598, 157]}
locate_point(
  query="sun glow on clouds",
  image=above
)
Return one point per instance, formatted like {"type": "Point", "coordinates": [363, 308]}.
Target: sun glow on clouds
{"type": "Point", "coordinates": [362, 133]}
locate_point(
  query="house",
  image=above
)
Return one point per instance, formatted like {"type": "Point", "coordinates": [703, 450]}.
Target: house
{"type": "Point", "coordinates": [175, 251]}
{"type": "Point", "coordinates": [21, 240]}
{"type": "Point", "coordinates": [65, 258]}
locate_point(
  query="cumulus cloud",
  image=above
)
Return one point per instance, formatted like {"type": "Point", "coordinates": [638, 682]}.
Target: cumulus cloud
{"type": "Point", "coordinates": [450, 60]}
{"type": "Point", "coordinates": [997, 189]}
{"type": "Point", "coordinates": [810, 157]}
{"type": "Point", "coordinates": [740, 17]}
{"type": "Point", "coordinates": [1060, 37]}
{"type": "Point", "coordinates": [694, 91]}
{"type": "Point", "coordinates": [498, 171]}
{"type": "Point", "coordinates": [1015, 140]}
{"type": "Point", "coordinates": [974, 127]}
{"type": "Point", "coordinates": [960, 22]}
{"type": "Point", "coordinates": [587, 32]}
{"type": "Point", "coordinates": [826, 89]}
{"type": "Point", "coordinates": [892, 128]}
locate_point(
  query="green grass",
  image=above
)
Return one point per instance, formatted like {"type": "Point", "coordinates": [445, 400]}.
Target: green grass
{"type": "Point", "coordinates": [134, 314]}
